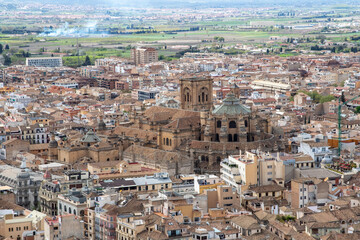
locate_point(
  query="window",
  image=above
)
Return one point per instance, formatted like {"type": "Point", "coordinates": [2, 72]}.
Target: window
{"type": "Point", "coordinates": [232, 124]}
{"type": "Point", "coordinates": [269, 166]}
{"type": "Point", "coordinates": [235, 137]}
{"type": "Point", "coordinates": [269, 173]}
{"type": "Point", "coordinates": [218, 124]}
{"type": "Point", "coordinates": [269, 179]}
{"type": "Point", "coordinates": [226, 190]}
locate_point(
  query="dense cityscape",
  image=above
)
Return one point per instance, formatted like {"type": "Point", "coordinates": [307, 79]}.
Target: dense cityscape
{"type": "Point", "coordinates": [188, 120]}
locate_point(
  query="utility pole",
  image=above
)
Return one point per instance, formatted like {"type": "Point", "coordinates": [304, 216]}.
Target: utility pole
{"type": "Point", "coordinates": [77, 49]}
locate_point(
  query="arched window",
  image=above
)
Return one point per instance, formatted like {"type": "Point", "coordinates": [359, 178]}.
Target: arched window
{"type": "Point", "coordinates": [199, 98]}
{"type": "Point", "coordinates": [203, 96]}
{"type": "Point", "coordinates": [203, 158]}
{"type": "Point", "coordinates": [218, 124]}
{"type": "Point", "coordinates": [82, 213]}
{"type": "Point", "coordinates": [230, 139]}
{"type": "Point", "coordinates": [217, 139]}
{"type": "Point", "coordinates": [232, 124]}
{"type": "Point", "coordinates": [187, 95]}
{"type": "Point", "coordinates": [246, 123]}
{"type": "Point", "coordinates": [218, 159]}
{"type": "Point", "coordinates": [207, 159]}
{"type": "Point", "coordinates": [235, 137]}
{"type": "Point", "coordinates": [170, 142]}
{"type": "Point", "coordinates": [164, 141]}
{"type": "Point", "coordinates": [74, 212]}
{"type": "Point", "coordinates": [167, 141]}
{"type": "Point", "coordinates": [197, 164]}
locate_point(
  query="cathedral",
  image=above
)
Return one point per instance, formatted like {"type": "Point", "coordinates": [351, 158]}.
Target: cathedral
{"type": "Point", "coordinates": [194, 138]}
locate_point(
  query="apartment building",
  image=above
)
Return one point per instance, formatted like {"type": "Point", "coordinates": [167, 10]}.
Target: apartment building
{"type": "Point", "coordinates": [319, 151]}
{"type": "Point", "coordinates": [144, 55]}
{"type": "Point", "coordinates": [72, 203]}
{"type": "Point", "coordinates": [63, 227]}
{"type": "Point", "coordinates": [223, 196]}
{"type": "Point", "coordinates": [240, 170]}
{"type": "Point", "coordinates": [50, 189]}
{"type": "Point", "coordinates": [159, 181]}
{"type": "Point", "coordinates": [309, 190]}
{"type": "Point", "coordinates": [44, 62]}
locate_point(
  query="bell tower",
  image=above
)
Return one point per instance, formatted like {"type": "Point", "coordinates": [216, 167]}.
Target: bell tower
{"type": "Point", "coordinates": [196, 93]}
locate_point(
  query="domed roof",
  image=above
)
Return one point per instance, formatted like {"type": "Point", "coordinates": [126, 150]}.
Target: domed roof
{"type": "Point", "coordinates": [53, 144]}
{"type": "Point", "coordinates": [90, 137]}
{"type": "Point", "coordinates": [231, 106]}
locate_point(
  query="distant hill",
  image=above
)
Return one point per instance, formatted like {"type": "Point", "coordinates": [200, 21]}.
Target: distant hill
{"type": "Point", "coordinates": [191, 3]}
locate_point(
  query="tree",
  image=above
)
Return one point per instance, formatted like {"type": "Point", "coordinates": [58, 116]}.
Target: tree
{"type": "Point", "coordinates": [7, 60]}
{"type": "Point", "coordinates": [87, 61]}
{"type": "Point", "coordinates": [161, 57]}
{"type": "Point", "coordinates": [357, 109]}
{"type": "Point", "coordinates": [7, 47]}
{"type": "Point", "coordinates": [343, 97]}
{"type": "Point", "coordinates": [1, 48]}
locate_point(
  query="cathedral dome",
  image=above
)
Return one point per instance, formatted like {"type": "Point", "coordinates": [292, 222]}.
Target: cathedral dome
{"type": "Point", "coordinates": [90, 137]}
{"type": "Point", "coordinates": [231, 106]}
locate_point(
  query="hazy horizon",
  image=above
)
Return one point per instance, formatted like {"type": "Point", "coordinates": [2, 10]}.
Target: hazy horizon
{"type": "Point", "coordinates": [188, 3]}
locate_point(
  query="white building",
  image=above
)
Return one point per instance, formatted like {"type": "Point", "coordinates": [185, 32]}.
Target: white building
{"type": "Point", "coordinates": [319, 151]}
{"type": "Point", "coordinates": [44, 62]}
{"type": "Point", "coordinates": [18, 100]}
{"type": "Point", "coordinates": [66, 84]}
{"type": "Point", "coordinates": [202, 180]}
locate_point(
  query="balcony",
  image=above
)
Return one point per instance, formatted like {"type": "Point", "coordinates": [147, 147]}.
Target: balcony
{"type": "Point", "coordinates": [228, 165]}
{"type": "Point", "coordinates": [110, 228]}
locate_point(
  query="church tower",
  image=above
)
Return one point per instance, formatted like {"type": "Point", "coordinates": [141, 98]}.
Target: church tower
{"type": "Point", "coordinates": [196, 93]}
{"type": "Point", "coordinates": [53, 148]}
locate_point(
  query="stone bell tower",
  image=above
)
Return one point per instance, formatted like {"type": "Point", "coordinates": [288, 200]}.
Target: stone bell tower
{"type": "Point", "coordinates": [196, 93]}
